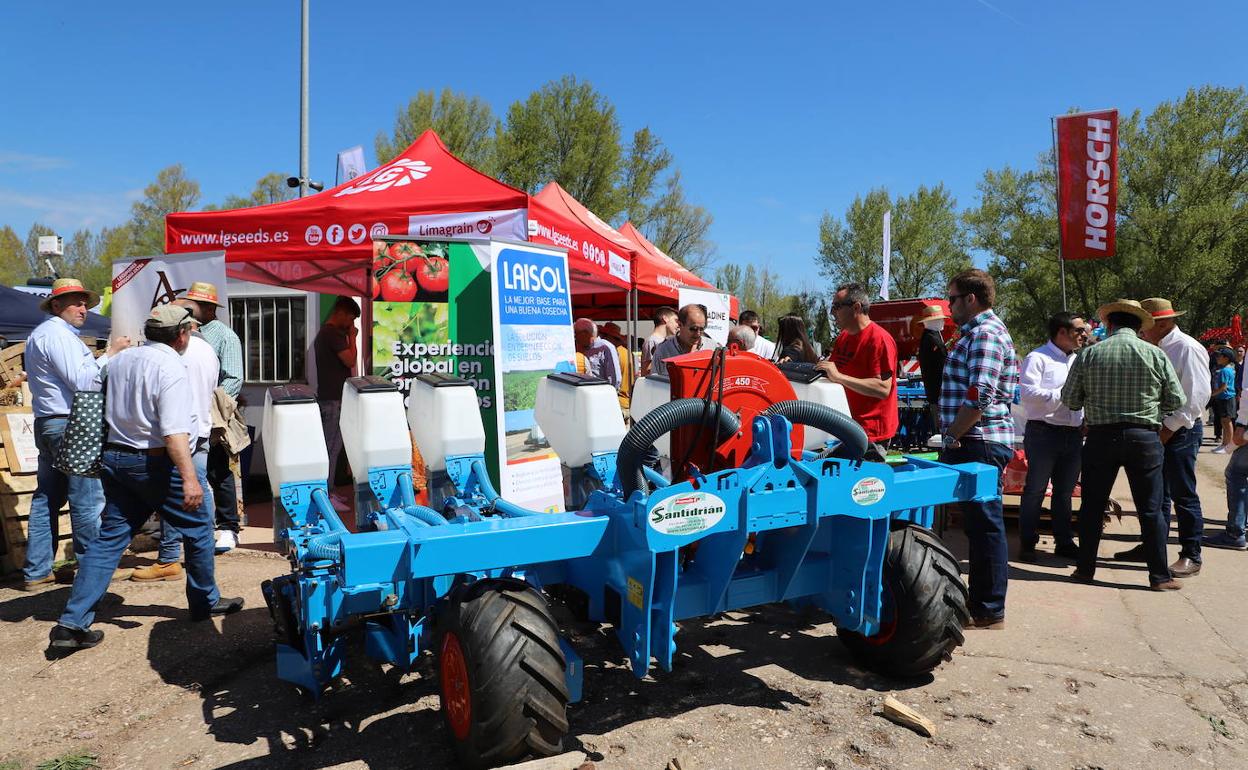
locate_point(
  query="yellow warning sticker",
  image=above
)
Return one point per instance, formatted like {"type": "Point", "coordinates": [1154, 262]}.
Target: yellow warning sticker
{"type": "Point", "coordinates": [635, 592]}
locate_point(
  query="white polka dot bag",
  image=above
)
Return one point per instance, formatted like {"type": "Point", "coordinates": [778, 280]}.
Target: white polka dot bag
{"type": "Point", "coordinates": [83, 442]}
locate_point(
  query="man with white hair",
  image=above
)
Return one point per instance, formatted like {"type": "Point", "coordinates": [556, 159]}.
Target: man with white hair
{"type": "Point", "coordinates": [744, 336]}
{"type": "Point", "coordinates": [601, 360]}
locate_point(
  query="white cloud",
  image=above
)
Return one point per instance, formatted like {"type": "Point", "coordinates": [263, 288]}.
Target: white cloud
{"type": "Point", "coordinates": [11, 160]}
{"type": "Point", "coordinates": [68, 212]}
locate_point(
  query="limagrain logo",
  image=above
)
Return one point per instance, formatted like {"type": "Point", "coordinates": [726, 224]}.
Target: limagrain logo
{"type": "Point", "coordinates": [484, 226]}
{"type": "Point", "coordinates": [687, 514]}
{"type": "Point", "coordinates": [397, 174]}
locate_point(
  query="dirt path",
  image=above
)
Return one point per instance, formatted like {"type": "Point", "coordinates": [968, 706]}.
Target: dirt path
{"type": "Point", "coordinates": [1110, 676]}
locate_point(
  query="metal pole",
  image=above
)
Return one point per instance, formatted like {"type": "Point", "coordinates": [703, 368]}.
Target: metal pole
{"type": "Point", "coordinates": [303, 103]}
{"type": "Point", "coordinates": [1057, 182]}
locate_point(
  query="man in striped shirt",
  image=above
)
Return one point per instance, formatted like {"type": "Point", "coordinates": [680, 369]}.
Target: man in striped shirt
{"type": "Point", "coordinates": [1125, 387]}
{"type": "Point", "coordinates": [980, 376]}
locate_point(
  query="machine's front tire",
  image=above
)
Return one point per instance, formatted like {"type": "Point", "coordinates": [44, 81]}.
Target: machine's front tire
{"type": "Point", "coordinates": [501, 674]}
{"type": "Point", "coordinates": [928, 602]}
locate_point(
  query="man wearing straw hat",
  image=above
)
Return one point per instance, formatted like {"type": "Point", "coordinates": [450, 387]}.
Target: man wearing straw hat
{"type": "Point", "coordinates": [932, 354]}
{"type": "Point", "coordinates": [57, 365]}
{"type": "Point", "coordinates": [229, 350]}
{"type": "Point", "coordinates": [1126, 387]}
{"type": "Point", "coordinates": [1181, 433]}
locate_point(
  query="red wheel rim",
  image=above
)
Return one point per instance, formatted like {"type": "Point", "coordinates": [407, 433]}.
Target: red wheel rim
{"type": "Point", "coordinates": [456, 695]}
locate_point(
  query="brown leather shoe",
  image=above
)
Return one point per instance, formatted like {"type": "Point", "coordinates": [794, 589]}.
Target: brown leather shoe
{"type": "Point", "coordinates": [987, 624]}
{"type": "Point", "coordinates": [34, 585]}
{"type": "Point", "coordinates": [1185, 567]}
{"type": "Point", "coordinates": [1169, 585]}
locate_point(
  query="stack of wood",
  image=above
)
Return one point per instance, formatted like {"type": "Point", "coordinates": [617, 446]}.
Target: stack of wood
{"type": "Point", "coordinates": [17, 469]}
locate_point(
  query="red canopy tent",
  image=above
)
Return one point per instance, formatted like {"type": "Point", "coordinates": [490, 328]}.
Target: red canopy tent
{"type": "Point", "coordinates": [656, 277]}
{"type": "Point", "coordinates": [589, 254]}
{"type": "Point", "coordinates": [323, 242]}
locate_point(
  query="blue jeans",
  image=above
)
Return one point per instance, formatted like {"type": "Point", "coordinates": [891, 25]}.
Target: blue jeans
{"type": "Point", "coordinates": [1138, 451]}
{"type": "Point", "coordinates": [135, 485]}
{"type": "Point", "coordinates": [85, 496]}
{"type": "Point", "coordinates": [170, 539]}
{"type": "Point", "coordinates": [985, 531]}
{"type": "Point", "coordinates": [1179, 474]}
{"type": "Point", "coordinates": [1237, 492]}
{"type": "Point", "coordinates": [1053, 452]}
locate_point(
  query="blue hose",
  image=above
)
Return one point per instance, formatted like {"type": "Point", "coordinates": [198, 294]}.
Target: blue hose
{"type": "Point", "coordinates": [500, 505]}
{"type": "Point", "coordinates": [654, 477]}
{"type": "Point", "coordinates": [425, 515]}
{"type": "Point", "coordinates": [326, 547]}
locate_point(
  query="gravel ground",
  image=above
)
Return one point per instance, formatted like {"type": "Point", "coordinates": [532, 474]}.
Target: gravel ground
{"type": "Point", "coordinates": [1109, 676]}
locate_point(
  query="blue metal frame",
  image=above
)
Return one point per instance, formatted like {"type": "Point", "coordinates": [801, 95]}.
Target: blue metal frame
{"type": "Point", "coordinates": [775, 529]}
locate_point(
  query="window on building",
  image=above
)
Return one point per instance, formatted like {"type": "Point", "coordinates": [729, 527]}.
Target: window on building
{"type": "Point", "coordinates": [275, 337]}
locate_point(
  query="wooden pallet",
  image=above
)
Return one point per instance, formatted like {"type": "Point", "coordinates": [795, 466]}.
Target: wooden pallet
{"type": "Point", "coordinates": [16, 491]}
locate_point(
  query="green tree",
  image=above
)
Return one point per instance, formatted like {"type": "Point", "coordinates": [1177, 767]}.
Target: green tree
{"type": "Point", "coordinates": [14, 267]}
{"type": "Point", "coordinates": [270, 188]}
{"type": "Point", "coordinates": [849, 251]}
{"type": "Point", "coordinates": [929, 244]}
{"type": "Point", "coordinates": [568, 133]}
{"type": "Point", "coordinates": [171, 191]}
{"type": "Point", "coordinates": [758, 289]}
{"type": "Point", "coordinates": [647, 160]}
{"type": "Point", "coordinates": [680, 228]}
{"type": "Point", "coordinates": [466, 124]}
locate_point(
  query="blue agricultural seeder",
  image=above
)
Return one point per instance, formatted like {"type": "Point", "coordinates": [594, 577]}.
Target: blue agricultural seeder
{"type": "Point", "coordinates": [468, 580]}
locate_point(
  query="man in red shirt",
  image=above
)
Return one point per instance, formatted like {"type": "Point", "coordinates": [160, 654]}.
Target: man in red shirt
{"type": "Point", "coordinates": [864, 360]}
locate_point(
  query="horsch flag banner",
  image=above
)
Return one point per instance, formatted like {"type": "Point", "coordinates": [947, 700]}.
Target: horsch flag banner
{"type": "Point", "coordinates": [1087, 183]}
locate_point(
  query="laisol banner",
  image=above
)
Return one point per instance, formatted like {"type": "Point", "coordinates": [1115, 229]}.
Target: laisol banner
{"type": "Point", "coordinates": [1087, 183]}
{"type": "Point", "coordinates": [533, 327]}
{"type": "Point", "coordinates": [142, 283]}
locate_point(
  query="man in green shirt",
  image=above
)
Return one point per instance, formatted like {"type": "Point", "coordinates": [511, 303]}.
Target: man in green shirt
{"type": "Point", "coordinates": [1125, 387]}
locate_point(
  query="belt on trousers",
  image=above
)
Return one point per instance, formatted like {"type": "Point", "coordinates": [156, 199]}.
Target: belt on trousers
{"type": "Point", "coordinates": [155, 451]}
{"type": "Point", "coordinates": [1051, 426]}
{"type": "Point", "coordinates": [1125, 426]}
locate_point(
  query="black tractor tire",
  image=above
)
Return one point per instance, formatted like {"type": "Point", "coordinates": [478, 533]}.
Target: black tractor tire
{"type": "Point", "coordinates": [928, 597]}
{"type": "Point", "coordinates": [501, 674]}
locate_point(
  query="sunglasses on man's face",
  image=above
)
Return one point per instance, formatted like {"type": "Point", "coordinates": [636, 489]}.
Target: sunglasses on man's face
{"type": "Point", "coordinates": [695, 329]}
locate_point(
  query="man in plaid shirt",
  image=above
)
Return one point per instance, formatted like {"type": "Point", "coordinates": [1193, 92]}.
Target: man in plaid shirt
{"type": "Point", "coordinates": [1125, 387]}
{"type": "Point", "coordinates": [978, 386]}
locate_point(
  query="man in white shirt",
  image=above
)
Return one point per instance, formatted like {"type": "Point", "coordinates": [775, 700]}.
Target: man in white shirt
{"type": "Point", "coordinates": [152, 427]}
{"type": "Point", "coordinates": [1052, 440]}
{"type": "Point", "coordinates": [202, 370]}
{"type": "Point", "coordinates": [1181, 432]}
{"type": "Point", "coordinates": [762, 346]}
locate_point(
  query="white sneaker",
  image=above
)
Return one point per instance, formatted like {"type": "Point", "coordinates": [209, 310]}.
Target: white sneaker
{"type": "Point", "coordinates": [339, 502]}
{"type": "Point", "coordinates": [226, 541]}
{"type": "Point", "coordinates": [1220, 450]}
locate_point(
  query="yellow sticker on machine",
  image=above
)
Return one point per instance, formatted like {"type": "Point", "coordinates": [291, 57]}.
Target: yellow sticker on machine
{"type": "Point", "coordinates": [635, 593]}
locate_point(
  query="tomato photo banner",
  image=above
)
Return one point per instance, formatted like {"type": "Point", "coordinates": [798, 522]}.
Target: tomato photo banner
{"type": "Point", "coordinates": [1087, 184]}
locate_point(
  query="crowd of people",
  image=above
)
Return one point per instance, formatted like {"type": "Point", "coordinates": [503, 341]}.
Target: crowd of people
{"type": "Point", "coordinates": [1131, 399]}
{"type": "Point", "coordinates": [169, 450]}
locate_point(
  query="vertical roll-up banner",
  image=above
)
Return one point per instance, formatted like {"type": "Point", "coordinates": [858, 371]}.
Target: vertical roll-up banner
{"type": "Point", "coordinates": [142, 283]}
{"type": "Point", "coordinates": [1087, 183]}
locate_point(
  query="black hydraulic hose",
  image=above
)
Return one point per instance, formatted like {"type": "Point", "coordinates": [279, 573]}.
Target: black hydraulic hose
{"type": "Point", "coordinates": [664, 419]}
{"type": "Point", "coordinates": [853, 438]}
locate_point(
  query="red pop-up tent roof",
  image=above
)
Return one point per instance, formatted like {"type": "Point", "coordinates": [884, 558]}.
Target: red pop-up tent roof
{"type": "Point", "coordinates": [596, 265]}
{"type": "Point", "coordinates": [657, 276]}
{"type": "Point", "coordinates": [323, 242]}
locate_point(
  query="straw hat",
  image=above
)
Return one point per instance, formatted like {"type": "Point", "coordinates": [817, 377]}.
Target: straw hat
{"type": "Point", "coordinates": [1161, 309]}
{"type": "Point", "coordinates": [63, 286]}
{"type": "Point", "coordinates": [1128, 306]}
{"type": "Point", "coordinates": [202, 291]}
{"type": "Point", "coordinates": [611, 331]}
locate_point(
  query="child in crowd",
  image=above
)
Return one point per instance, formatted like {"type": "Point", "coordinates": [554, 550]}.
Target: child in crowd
{"type": "Point", "coordinates": [1224, 398]}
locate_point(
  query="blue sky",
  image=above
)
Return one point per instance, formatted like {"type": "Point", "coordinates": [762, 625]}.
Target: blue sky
{"type": "Point", "coordinates": [774, 112]}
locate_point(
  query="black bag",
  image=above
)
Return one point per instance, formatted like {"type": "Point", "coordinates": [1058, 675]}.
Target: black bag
{"type": "Point", "coordinates": [83, 443]}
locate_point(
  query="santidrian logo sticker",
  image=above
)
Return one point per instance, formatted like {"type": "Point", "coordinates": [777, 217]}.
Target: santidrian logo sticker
{"type": "Point", "coordinates": [869, 491]}
{"type": "Point", "coordinates": [687, 514]}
